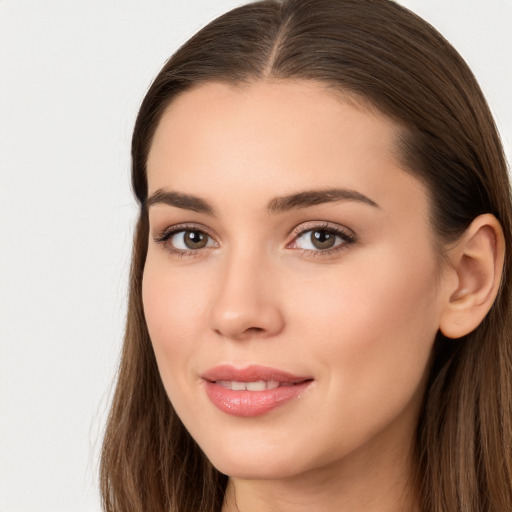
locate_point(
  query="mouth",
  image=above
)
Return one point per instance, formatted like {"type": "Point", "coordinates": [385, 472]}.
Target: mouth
{"type": "Point", "coordinates": [258, 385]}
{"type": "Point", "coordinates": [252, 391]}
{"type": "Point", "coordinates": [253, 374]}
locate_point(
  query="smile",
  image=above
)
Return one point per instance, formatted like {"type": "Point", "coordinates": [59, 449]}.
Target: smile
{"type": "Point", "coordinates": [259, 385]}
{"type": "Point", "coordinates": [252, 391]}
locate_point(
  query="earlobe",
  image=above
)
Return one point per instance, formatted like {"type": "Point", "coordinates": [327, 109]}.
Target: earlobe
{"type": "Point", "coordinates": [477, 261]}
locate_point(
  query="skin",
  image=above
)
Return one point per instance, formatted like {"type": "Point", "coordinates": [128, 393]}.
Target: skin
{"type": "Point", "coordinates": [360, 320]}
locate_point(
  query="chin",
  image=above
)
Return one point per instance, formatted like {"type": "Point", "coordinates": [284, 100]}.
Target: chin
{"type": "Point", "coordinates": [257, 462]}
{"type": "Point", "coordinates": [258, 469]}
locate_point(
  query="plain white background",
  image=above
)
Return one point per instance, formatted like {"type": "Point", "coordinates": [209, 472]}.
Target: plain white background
{"type": "Point", "coordinates": [72, 74]}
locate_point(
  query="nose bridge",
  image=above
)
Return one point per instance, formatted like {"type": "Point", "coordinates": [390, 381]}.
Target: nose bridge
{"type": "Point", "coordinates": [247, 303]}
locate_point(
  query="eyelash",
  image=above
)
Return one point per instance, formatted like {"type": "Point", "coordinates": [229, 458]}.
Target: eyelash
{"type": "Point", "coordinates": [347, 237]}
{"type": "Point", "coordinates": [169, 232]}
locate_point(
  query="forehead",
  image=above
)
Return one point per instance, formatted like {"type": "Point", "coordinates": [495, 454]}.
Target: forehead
{"type": "Point", "coordinates": [274, 137]}
{"type": "Point", "coordinates": [270, 114]}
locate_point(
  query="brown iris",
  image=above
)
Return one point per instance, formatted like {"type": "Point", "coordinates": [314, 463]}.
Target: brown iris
{"type": "Point", "coordinates": [323, 239]}
{"type": "Point", "coordinates": [195, 239]}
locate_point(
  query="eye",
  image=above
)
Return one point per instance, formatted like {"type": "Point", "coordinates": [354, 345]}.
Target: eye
{"type": "Point", "coordinates": [190, 239]}
{"type": "Point", "coordinates": [322, 239]}
{"type": "Point", "coordinates": [185, 241]}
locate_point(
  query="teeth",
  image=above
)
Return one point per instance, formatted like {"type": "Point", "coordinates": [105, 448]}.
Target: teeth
{"type": "Point", "coordinates": [259, 385]}
{"type": "Point", "coordinates": [238, 386]}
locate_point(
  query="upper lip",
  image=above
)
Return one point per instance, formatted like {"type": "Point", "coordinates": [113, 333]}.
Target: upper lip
{"type": "Point", "coordinates": [251, 373]}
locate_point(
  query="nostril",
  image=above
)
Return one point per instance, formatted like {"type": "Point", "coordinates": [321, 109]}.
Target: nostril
{"type": "Point", "coordinates": [254, 330]}
{"type": "Point", "coordinates": [243, 334]}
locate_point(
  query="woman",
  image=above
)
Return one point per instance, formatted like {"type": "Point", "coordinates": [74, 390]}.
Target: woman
{"type": "Point", "coordinates": [320, 295]}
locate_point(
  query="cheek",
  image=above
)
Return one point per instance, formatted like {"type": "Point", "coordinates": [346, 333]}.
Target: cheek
{"type": "Point", "coordinates": [175, 311]}
{"type": "Point", "coordinates": [373, 326]}
{"type": "Point", "coordinates": [388, 296]}
{"type": "Point", "coordinates": [370, 335]}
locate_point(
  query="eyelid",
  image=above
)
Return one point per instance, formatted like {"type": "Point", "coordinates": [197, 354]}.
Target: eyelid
{"type": "Point", "coordinates": [347, 235]}
{"type": "Point", "coordinates": [321, 224]}
{"type": "Point", "coordinates": [168, 231]}
{"type": "Point", "coordinates": [162, 238]}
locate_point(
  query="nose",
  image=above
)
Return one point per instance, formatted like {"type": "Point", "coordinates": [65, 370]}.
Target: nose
{"type": "Point", "coordinates": [247, 303]}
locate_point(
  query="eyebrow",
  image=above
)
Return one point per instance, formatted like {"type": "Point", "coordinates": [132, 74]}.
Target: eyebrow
{"type": "Point", "coordinates": [179, 200]}
{"type": "Point", "coordinates": [314, 197]}
{"type": "Point", "coordinates": [277, 205]}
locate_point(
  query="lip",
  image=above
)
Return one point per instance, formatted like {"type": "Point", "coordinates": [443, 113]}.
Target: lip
{"type": "Point", "coordinates": [245, 403]}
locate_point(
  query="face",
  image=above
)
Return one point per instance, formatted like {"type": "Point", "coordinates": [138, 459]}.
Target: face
{"type": "Point", "coordinates": [291, 289]}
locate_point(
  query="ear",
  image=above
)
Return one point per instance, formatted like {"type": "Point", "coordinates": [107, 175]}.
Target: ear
{"type": "Point", "coordinates": [477, 264]}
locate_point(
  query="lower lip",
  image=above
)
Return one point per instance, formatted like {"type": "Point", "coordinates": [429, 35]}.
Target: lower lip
{"type": "Point", "coordinates": [252, 403]}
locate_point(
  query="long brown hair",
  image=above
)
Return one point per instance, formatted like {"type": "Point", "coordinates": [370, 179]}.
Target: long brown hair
{"type": "Point", "coordinates": [396, 62]}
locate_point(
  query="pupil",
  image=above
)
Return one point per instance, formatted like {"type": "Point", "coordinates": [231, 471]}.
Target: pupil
{"type": "Point", "coordinates": [322, 239]}
{"type": "Point", "coordinates": [195, 239]}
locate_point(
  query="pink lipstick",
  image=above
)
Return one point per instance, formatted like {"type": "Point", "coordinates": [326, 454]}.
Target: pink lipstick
{"type": "Point", "coordinates": [251, 391]}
